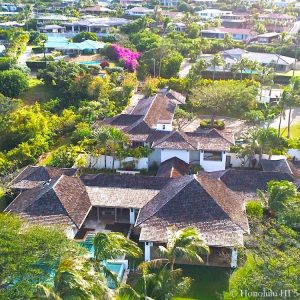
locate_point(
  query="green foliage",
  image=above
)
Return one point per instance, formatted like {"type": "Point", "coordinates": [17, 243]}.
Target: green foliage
{"type": "Point", "coordinates": [218, 124]}
{"type": "Point", "coordinates": [27, 256]}
{"type": "Point", "coordinates": [83, 36]}
{"type": "Point", "coordinates": [255, 210]}
{"type": "Point", "coordinates": [6, 63]}
{"type": "Point", "coordinates": [13, 82]}
{"type": "Point", "coordinates": [65, 156]}
{"type": "Point", "coordinates": [114, 244]}
{"type": "Point", "coordinates": [254, 117]}
{"type": "Point", "coordinates": [195, 169]}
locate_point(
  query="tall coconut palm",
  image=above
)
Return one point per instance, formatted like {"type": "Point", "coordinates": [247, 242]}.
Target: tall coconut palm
{"type": "Point", "coordinates": [183, 244]}
{"type": "Point", "coordinates": [156, 284]}
{"type": "Point", "coordinates": [242, 65]}
{"type": "Point", "coordinates": [216, 61]}
{"type": "Point", "coordinates": [76, 278]}
{"type": "Point", "coordinates": [114, 244]}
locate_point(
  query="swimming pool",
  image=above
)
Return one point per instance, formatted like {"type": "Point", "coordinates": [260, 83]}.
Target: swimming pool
{"type": "Point", "coordinates": [90, 63]}
{"type": "Point", "coordinates": [88, 244]}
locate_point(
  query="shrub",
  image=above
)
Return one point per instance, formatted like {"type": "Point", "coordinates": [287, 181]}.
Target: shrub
{"type": "Point", "coordinates": [195, 169]}
{"type": "Point", "coordinates": [104, 64]}
{"type": "Point", "coordinates": [5, 63]}
{"type": "Point", "coordinates": [206, 124]}
{"type": "Point", "coordinates": [37, 49]}
{"type": "Point", "coordinates": [129, 57]}
{"type": "Point", "coordinates": [13, 82]}
{"type": "Point", "coordinates": [255, 210]}
{"type": "Point", "coordinates": [111, 70]}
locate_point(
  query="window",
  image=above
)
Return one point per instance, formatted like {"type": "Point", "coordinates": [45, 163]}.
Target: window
{"type": "Point", "coordinates": [212, 155]}
{"type": "Point", "coordinates": [164, 127]}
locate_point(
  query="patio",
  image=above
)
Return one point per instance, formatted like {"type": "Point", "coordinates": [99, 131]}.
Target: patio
{"type": "Point", "coordinates": [105, 220]}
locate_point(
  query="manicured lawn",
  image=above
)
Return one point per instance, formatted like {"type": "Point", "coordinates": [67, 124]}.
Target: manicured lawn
{"type": "Point", "coordinates": [37, 92]}
{"type": "Point", "coordinates": [289, 73]}
{"type": "Point", "coordinates": [209, 282]}
{"type": "Point", "coordinates": [295, 131]}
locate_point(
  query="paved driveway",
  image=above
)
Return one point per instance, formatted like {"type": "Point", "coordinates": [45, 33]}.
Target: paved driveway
{"type": "Point", "coordinates": [295, 118]}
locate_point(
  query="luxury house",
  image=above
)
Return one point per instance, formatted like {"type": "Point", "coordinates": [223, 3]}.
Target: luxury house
{"type": "Point", "coordinates": [151, 124]}
{"type": "Point", "coordinates": [144, 207]}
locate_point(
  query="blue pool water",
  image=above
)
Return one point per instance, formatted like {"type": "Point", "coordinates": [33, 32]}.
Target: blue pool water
{"type": "Point", "coordinates": [90, 63]}
{"type": "Point", "coordinates": [116, 267]}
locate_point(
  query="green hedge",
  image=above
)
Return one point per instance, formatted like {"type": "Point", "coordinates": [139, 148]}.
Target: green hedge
{"type": "Point", "coordinates": [206, 124]}
{"type": "Point", "coordinates": [5, 63]}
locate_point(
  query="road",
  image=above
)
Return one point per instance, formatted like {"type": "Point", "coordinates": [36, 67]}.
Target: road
{"type": "Point", "coordinates": [295, 118]}
{"type": "Point", "coordinates": [295, 28]}
{"type": "Point", "coordinates": [25, 56]}
{"type": "Point", "coordinates": [185, 68]}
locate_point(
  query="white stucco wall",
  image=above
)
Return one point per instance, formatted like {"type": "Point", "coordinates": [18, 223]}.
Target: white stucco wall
{"type": "Point", "coordinates": [99, 162]}
{"type": "Point", "coordinates": [294, 153]}
{"type": "Point", "coordinates": [169, 153]}
{"type": "Point", "coordinates": [168, 127]}
{"type": "Point", "coordinates": [211, 165]}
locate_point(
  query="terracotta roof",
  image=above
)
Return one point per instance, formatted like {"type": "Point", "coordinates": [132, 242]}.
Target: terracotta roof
{"type": "Point", "coordinates": [199, 201]}
{"type": "Point", "coordinates": [280, 165]}
{"type": "Point", "coordinates": [63, 195]}
{"type": "Point", "coordinates": [173, 167]}
{"type": "Point", "coordinates": [33, 176]}
{"type": "Point", "coordinates": [176, 96]}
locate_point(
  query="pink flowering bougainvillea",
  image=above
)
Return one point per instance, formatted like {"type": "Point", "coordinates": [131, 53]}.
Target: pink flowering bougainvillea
{"type": "Point", "coordinates": [129, 57]}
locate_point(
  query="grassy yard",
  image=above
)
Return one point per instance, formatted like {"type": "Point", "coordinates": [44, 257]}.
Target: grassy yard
{"type": "Point", "coordinates": [37, 92]}
{"type": "Point", "coordinates": [209, 282]}
{"type": "Point", "coordinates": [295, 131]}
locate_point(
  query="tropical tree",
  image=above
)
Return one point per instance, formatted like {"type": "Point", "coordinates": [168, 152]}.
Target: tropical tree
{"type": "Point", "coordinates": [156, 284]}
{"type": "Point", "coordinates": [185, 244]}
{"type": "Point", "coordinates": [76, 278]}
{"type": "Point", "coordinates": [242, 65]}
{"type": "Point", "coordinates": [114, 244]}
{"type": "Point", "coordinates": [216, 61]}
{"type": "Point", "coordinates": [290, 98]}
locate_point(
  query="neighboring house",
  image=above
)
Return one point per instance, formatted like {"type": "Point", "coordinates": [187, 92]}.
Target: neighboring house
{"type": "Point", "coordinates": [232, 56]}
{"type": "Point", "coordinates": [267, 95]}
{"type": "Point", "coordinates": [66, 47]}
{"type": "Point", "coordinates": [11, 24]}
{"type": "Point", "coordinates": [234, 20]}
{"type": "Point", "coordinates": [211, 14]}
{"type": "Point", "coordinates": [150, 124]}
{"type": "Point", "coordinates": [267, 38]}
{"type": "Point", "coordinates": [50, 19]}
{"type": "Point", "coordinates": [2, 49]}
{"type": "Point", "coordinates": [238, 34]}
{"type": "Point", "coordinates": [126, 3]}
{"type": "Point", "coordinates": [52, 29]}
{"type": "Point", "coordinates": [98, 25]}
{"type": "Point", "coordinates": [277, 22]}
{"type": "Point", "coordinates": [139, 11]}
{"type": "Point", "coordinates": [97, 9]}
{"type": "Point", "coordinates": [168, 3]}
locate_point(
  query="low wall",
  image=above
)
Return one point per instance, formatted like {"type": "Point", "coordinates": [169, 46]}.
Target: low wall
{"type": "Point", "coordinates": [108, 162]}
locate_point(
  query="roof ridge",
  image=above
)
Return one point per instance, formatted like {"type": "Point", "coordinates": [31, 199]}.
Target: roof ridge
{"type": "Point", "coordinates": [191, 178]}
{"type": "Point", "coordinates": [203, 185]}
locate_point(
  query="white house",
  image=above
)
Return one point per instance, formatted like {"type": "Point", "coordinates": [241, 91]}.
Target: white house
{"type": "Point", "coordinates": [139, 11]}
{"type": "Point", "coordinates": [211, 14]}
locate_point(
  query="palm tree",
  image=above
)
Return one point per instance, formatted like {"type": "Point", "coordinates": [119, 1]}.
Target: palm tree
{"type": "Point", "coordinates": [264, 76]}
{"type": "Point", "coordinates": [284, 40]}
{"type": "Point", "coordinates": [114, 244]}
{"type": "Point", "coordinates": [242, 65]}
{"type": "Point", "coordinates": [216, 61]}
{"type": "Point", "coordinates": [291, 97]}
{"type": "Point", "coordinates": [183, 244]}
{"type": "Point", "coordinates": [76, 278]}
{"type": "Point", "coordinates": [156, 283]}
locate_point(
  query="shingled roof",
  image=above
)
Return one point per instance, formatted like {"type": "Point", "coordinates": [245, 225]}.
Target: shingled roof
{"type": "Point", "coordinates": [33, 176]}
{"type": "Point", "coordinates": [61, 196]}
{"type": "Point", "coordinates": [199, 140]}
{"type": "Point", "coordinates": [173, 167]}
{"type": "Point", "coordinates": [247, 182]}
{"type": "Point", "coordinates": [199, 201]}
{"type": "Point", "coordinates": [279, 165]}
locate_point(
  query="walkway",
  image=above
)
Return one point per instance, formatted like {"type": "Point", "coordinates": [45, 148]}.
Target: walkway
{"type": "Point", "coordinates": [25, 56]}
{"type": "Point", "coordinates": [295, 118]}
{"type": "Point", "coordinates": [295, 28]}
{"type": "Point", "coordinates": [185, 68]}
{"type": "Point", "coordinates": [133, 102]}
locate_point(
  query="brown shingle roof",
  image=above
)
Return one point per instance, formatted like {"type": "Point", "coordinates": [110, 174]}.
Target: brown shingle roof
{"type": "Point", "coordinates": [199, 201]}
{"type": "Point", "coordinates": [280, 165]}
{"type": "Point", "coordinates": [63, 195]}
{"type": "Point", "coordinates": [33, 176]}
{"type": "Point", "coordinates": [173, 167]}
